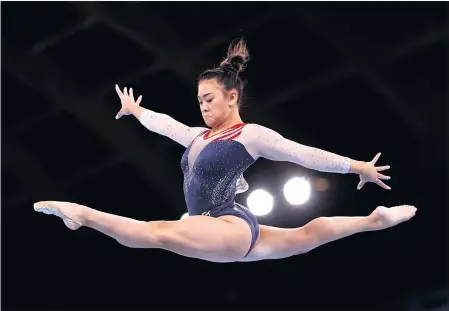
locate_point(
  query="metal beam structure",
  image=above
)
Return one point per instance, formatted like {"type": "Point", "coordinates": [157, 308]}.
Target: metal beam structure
{"type": "Point", "coordinates": [197, 53]}
{"type": "Point", "coordinates": [132, 22]}
{"type": "Point", "coordinates": [30, 174]}
{"type": "Point", "coordinates": [43, 76]}
{"type": "Point", "coordinates": [367, 69]}
{"type": "Point", "coordinates": [170, 50]}
{"type": "Point", "coordinates": [261, 109]}
{"type": "Point", "coordinates": [409, 45]}
{"type": "Point", "coordinates": [40, 46]}
{"type": "Point", "coordinates": [174, 55]}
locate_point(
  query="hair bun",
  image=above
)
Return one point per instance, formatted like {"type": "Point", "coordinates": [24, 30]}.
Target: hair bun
{"type": "Point", "coordinates": [237, 57]}
{"type": "Point", "coordinates": [237, 62]}
{"type": "Point", "coordinates": [230, 67]}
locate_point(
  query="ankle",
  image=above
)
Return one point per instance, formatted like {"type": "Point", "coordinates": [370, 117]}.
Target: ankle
{"type": "Point", "coordinates": [84, 215]}
{"type": "Point", "coordinates": [372, 223]}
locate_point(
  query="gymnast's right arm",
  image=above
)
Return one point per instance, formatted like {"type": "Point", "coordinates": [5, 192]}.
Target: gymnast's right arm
{"type": "Point", "coordinates": [167, 126]}
{"type": "Point", "coordinates": [157, 122]}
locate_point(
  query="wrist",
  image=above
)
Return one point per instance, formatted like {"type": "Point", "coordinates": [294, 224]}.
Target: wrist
{"type": "Point", "coordinates": [136, 111]}
{"type": "Point", "coordinates": [356, 167]}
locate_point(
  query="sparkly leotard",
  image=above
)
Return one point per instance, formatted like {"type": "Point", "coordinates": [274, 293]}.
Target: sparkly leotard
{"type": "Point", "coordinates": [212, 164]}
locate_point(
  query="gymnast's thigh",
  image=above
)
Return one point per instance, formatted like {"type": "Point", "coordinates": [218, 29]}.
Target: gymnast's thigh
{"type": "Point", "coordinates": [222, 239]}
{"type": "Point", "coordinates": [277, 243]}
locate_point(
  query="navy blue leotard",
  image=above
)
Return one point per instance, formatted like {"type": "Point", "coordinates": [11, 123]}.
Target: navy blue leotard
{"type": "Point", "coordinates": [210, 183]}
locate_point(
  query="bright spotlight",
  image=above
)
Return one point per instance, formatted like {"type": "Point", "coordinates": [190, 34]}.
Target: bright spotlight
{"type": "Point", "coordinates": [297, 191]}
{"type": "Point", "coordinates": [260, 202]}
{"type": "Point", "coordinates": [184, 215]}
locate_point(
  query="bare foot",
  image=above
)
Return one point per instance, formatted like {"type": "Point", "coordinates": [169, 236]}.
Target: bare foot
{"type": "Point", "coordinates": [71, 213]}
{"type": "Point", "coordinates": [385, 217]}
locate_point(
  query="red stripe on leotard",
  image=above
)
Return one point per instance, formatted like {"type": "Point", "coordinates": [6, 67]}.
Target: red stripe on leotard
{"type": "Point", "coordinates": [199, 135]}
{"type": "Point", "coordinates": [228, 135]}
{"type": "Point", "coordinates": [232, 128]}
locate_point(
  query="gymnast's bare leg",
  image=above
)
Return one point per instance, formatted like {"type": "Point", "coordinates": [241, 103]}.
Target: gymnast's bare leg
{"type": "Point", "coordinates": [276, 243]}
{"type": "Point", "coordinates": [223, 239]}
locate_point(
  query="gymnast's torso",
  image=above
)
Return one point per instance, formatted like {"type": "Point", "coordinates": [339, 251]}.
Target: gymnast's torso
{"type": "Point", "coordinates": [211, 165]}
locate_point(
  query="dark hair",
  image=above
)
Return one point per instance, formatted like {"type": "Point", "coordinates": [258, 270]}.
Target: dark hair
{"type": "Point", "coordinates": [228, 72]}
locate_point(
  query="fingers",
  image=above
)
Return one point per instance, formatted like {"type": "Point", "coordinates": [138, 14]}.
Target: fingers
{"type": "Point", "coordinates": [119, 115]}
{"type": "Point", "coordinates": [374, 160]}
{"type": "Point", "coordinates": [119, 92]}
{"type": "Point", "coordinates": [139, 100]}
{"type": "Point", "coordinates": [384, 177]}
{"type": "Point", "coordinates": [380, 183]}
{"type": "Point", "coordinates": [125, 94]}
{"type": "Point", "coordinates": [383, 168]}
{"type": "Point", "coordinates": [360, 185]}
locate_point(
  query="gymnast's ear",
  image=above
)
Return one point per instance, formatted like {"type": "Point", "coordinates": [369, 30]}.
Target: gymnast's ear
{"type": "Point", "coordinates": [233, 96]}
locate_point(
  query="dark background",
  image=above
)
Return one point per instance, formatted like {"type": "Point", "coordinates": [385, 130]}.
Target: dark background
{"type": "Point", "coordinates": [350, 78]}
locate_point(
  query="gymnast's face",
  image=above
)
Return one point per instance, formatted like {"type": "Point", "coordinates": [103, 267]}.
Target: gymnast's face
{"type": "Point", "coordinates": [216, 104]}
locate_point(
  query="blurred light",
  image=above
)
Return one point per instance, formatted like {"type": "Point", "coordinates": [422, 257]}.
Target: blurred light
{"type": "Point", "coordinates": [184, 215]}
{"type": "Point", "coordinates": [321, 184]}
{"type": "Point", "coordinates": [260, 202]}
{"type": "Point", "coordinates": [297, 191]}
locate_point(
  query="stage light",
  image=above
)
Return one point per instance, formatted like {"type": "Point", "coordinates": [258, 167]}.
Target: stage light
{"type": "Point", "coordinates": [297, 191]}
{"type": "Point", "coordinates": [260, 202]}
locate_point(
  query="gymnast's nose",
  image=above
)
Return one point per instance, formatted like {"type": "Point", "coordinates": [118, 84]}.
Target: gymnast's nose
{"type": "Point", "coordinates": [204, 109]}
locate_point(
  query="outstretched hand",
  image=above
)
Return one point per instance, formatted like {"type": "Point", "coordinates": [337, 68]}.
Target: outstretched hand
{"type": "Point", "coordinates": [127, 101]}
{"type": "Point", "coordinates": [370, 173]}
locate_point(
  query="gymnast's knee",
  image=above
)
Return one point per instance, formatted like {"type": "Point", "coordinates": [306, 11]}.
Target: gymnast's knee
{"type": "Point", "coordinates": [316, 230]}
{"type": "Point", "coordinates": [167, 234]}
{"type": "Point", "coordinates": [159, 233]}
{"type": "Point", "coordinates": [151, 234]}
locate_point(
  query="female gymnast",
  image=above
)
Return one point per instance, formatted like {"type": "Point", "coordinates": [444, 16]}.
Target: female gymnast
{"type": "Point", "coordinates": [219, 229]}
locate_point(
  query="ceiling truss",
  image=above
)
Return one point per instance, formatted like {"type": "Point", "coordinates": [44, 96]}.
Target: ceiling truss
{"type": "Point", "coordinates": [175, 55]}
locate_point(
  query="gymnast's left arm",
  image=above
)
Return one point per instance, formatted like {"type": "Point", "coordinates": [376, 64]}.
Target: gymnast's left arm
{"type": "Point", "coordinates": [264, 142]}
